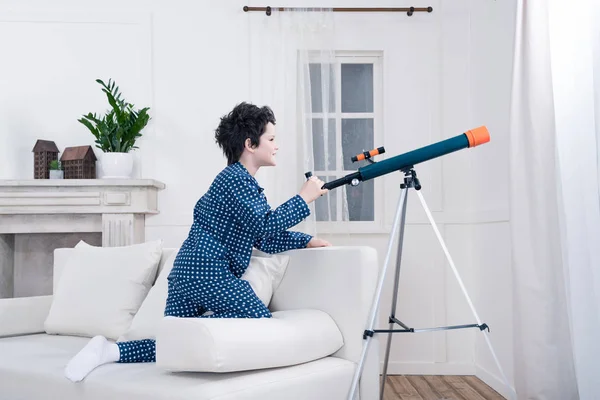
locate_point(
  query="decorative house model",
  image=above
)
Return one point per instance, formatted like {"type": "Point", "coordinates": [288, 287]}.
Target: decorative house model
{"type": "Point", "coordinates": [79, 162]}
{"type": "Point", "coordinates": [44, 152]}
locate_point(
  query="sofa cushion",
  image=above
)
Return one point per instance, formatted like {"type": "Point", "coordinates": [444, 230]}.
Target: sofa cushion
{"type": "Point", "coordinates": [32, 366]}
{"type": "Point", "coordinates": [225, 344]}
{"type": "Point", "coordinates": [264, 275]}
{"type": "Point", "coordinates": [101, 289]}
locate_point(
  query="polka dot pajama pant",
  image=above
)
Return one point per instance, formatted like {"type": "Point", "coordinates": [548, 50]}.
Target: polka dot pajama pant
{"type": "Point", "coordinates": [226, 298]}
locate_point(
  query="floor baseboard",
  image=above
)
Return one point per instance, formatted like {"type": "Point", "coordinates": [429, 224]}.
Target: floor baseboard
{"type": "Point", "coordinates": [404, 368]}
{"type": "Point", "coordinates": [496, 383]}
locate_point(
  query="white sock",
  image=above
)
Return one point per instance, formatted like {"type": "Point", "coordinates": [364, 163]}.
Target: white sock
{"type": "Point", "coordinates": [97, 352]}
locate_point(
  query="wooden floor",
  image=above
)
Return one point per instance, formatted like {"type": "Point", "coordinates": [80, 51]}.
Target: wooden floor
{"type": "Point", "coordinates": [428, 387]}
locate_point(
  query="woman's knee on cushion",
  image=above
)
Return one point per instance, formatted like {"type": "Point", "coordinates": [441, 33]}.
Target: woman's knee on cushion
{"type": "Point", "coordinates": [225, 298]}
{"type": "Point", "coordinates": [179, 305]}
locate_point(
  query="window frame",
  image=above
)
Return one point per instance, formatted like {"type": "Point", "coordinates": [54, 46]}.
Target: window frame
{"type": "Point", "coordinates": [355, 57]}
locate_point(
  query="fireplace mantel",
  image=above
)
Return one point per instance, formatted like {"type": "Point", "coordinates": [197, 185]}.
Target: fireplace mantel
{"type": "Point", "coordinates": [79, 196]}
{"type": "Point", "coordinates": [115, 208]}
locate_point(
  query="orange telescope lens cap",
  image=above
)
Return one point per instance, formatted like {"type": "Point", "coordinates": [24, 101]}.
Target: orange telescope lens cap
{"type": "Point", "coordinates": [478, 136]}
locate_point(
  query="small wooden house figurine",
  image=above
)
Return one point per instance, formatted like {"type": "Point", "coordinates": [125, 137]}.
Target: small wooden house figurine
{"type": "Point", "coordinates": [79, 162]}
{"type": "Point", "coordinates": [44, 151]}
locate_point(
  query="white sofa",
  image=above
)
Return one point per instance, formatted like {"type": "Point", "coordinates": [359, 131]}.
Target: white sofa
{"type": "Point", "coordinates": [340, 281]}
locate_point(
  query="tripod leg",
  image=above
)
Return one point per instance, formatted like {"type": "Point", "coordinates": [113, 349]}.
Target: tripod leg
{"type": "Point", "coordinates": [403, 200]}
{"type": "Point", "coordinates": [375, 306]}
{"type": "Point", "coordinates": [464, 290]}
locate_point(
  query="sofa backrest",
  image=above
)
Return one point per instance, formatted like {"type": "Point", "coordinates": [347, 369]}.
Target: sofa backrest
{"type": "Point", "coordinates": [340, 280]}
{"type": "Point", "coordinates": [61, 256]}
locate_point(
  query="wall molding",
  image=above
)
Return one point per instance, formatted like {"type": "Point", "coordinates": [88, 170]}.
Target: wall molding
{"type": "Point", "coordinates": [441, 218]}
{"type": "Point", "coordinates": [77, 17]}
{"type": "Point", "coordinates": [142, 23]}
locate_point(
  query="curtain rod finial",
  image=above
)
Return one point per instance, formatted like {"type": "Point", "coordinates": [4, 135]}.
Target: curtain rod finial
{"type": "Point", "coordinates": [245, 8]}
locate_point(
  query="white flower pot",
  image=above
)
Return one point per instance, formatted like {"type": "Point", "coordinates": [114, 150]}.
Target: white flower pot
{"type": "Point", "coordinates": [117, 165]}
{"type": "Point", "coordinates": [56, 174]}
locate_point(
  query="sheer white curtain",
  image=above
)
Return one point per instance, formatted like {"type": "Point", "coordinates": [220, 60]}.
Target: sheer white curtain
{"type": "Point", "coordinates": [291, 69]}
{"type": "Point", "coordinates": [554, 200]}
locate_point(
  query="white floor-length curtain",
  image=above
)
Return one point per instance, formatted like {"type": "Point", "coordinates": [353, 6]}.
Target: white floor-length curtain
{"type": "Point", "coordinates": [292, 56]}
{"type": "Point", "coordinates": [554, 199]}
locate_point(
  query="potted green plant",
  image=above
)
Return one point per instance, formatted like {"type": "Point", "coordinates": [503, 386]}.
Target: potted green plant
{"type": "Point", "coordinates": [116, 132]}
{"type": "Point", "coordinates": [56, 171]}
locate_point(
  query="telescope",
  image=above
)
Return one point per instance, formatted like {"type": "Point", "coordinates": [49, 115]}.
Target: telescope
{"type": "Point", "coordinates": [404, 162]}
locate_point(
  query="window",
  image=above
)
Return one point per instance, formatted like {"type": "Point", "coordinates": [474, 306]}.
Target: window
{"type": "Point", "coordinates": [353, 126]}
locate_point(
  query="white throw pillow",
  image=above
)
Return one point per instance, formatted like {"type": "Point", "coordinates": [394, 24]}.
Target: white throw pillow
{"type": "Point", "coordinates": [101, 289]}
{"type": "Point", "coordinates": [263, 273]}
{"type": "Point", "coordinates": [146, 320]}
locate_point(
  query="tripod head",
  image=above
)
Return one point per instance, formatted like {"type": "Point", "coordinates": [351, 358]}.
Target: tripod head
{"type": "Point", "coordinates": [405, 162]}
{"type": "Point", "coordinates": [410, 179]}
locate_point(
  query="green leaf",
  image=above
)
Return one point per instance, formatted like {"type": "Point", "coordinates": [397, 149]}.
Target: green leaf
{"type": "Point", "coordinates": [119, 128]}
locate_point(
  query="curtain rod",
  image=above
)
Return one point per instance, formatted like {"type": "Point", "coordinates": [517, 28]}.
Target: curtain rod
{"type": "Point", "coordinates": [409, 10]}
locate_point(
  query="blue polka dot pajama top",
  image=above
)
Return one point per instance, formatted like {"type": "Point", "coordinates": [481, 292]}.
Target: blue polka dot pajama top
{"type": "Point", "coordinates": [229, 220]}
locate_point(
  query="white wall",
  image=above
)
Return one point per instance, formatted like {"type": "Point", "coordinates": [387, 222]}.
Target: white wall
{"type": "Point", "coordinates": [492, 26]}
{"type": "Point", "coordinates": [444, 73]}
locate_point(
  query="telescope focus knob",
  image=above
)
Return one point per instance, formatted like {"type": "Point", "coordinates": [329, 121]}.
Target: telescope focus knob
{"type": "Point", "coordinates": [308, 174]}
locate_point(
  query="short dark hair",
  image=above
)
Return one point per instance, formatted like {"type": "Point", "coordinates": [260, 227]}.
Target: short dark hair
{"type": "Point", "coordinates": [245, 121]}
